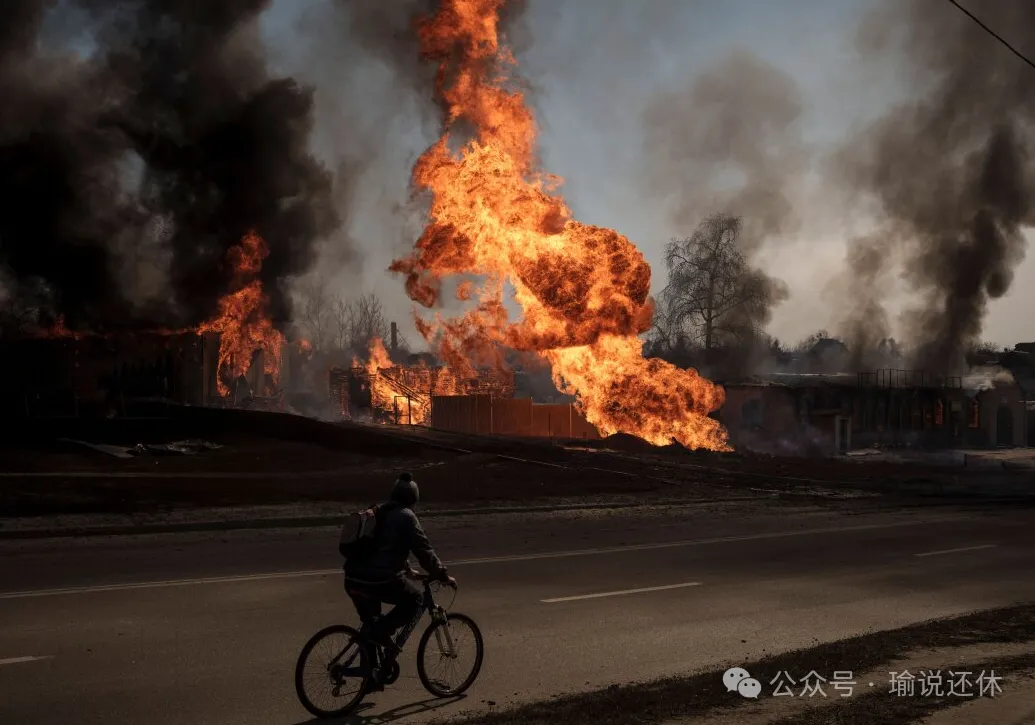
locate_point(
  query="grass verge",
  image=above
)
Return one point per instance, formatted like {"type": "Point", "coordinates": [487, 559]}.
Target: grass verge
{"type": "Point", "coordinates": [880, 708]}
{"type": "Point", "coordinates": [701, 693]}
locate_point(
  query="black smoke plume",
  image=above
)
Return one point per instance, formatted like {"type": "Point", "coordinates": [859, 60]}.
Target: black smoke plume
{"type": "Point", "coordinates": [136, 151]}
{"type": "Point", "coordinates": [949, 169]}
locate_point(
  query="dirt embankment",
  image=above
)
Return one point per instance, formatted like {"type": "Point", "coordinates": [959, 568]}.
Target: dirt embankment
{"type": "Point", "coordinates": [268, 459]}
{"type": "Point", "coordinates": [273, 459]}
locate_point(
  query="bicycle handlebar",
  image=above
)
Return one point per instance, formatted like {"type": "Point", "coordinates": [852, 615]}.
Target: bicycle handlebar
{"type": "Point", "coordinates": [427, 578]}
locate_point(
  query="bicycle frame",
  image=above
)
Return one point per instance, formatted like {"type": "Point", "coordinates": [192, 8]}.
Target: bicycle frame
{"type": "Point", "coordinates": [437, 613]}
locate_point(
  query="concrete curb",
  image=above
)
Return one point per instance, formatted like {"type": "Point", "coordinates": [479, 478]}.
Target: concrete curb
{"type": "Point", "coordinates": [300, 522]}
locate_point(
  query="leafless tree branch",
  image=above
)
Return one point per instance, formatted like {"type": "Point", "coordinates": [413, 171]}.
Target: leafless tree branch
{"type": "Point", "coordinates": [367, 323]}
{"type": "Point", "coordinates": [713, 297]}
{"type": "Point", "coordinates": [315, 313]}
{"type": "Point", "coordinates": [343, 314]}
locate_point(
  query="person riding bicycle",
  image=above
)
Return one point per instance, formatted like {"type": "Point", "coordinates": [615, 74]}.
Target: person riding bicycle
{"type": "Point", "coordinates": [384, 575]}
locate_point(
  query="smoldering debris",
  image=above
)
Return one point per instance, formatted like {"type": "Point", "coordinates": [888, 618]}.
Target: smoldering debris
{"type": "Point", "coordinates": [950, 171]}
{"type": "Point", "coordinates": [189, 447]}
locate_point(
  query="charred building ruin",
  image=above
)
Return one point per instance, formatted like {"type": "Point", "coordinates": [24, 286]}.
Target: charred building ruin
{"type": "Point", "coordinates": [836, 412]}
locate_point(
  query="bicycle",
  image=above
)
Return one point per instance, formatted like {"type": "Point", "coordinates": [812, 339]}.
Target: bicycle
{"type": "Point", "coordinates": [362, 660]}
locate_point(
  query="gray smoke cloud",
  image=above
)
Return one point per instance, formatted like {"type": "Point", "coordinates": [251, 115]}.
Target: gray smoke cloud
{"type": "Point", "coordinates": [373, 110]}
{"type": "Point", "coordinates": [730, 141]}
{"type": "Point", "coordinates": [948, 171]}
{"type": "Point", "coordinates": [858, 295]}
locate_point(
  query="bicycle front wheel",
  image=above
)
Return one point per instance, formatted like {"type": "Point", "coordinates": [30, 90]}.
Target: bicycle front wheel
{"type": "Point", "coordinates": [332, 671]}
{"type": "Point", "coordinates": [449, 656]}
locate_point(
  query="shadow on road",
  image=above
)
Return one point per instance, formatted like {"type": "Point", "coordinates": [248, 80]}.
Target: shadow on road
{"type": "Point", "coordinates": [396, 713]}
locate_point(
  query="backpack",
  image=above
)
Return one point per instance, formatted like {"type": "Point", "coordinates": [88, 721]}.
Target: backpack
{"type": "Point", "coordinates": [357, 533]}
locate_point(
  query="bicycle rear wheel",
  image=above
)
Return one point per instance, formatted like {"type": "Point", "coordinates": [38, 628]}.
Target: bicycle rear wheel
{"type": "Point", "coordinates": [449, 656]}
{"type": "Point", "coordinates": [332, 672]}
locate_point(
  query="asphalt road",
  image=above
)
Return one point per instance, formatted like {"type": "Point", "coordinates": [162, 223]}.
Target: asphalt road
{"type": "Point", "coordinates": [205, 628]}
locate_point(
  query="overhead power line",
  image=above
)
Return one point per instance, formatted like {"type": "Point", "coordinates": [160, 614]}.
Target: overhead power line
{"type": "Point", "coordinates": [994, 34]}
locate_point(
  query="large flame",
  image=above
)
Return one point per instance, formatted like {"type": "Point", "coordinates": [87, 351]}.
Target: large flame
{"type": "Point", "coordinates": [59, 330]}
{"type": "Point", "coordinates": [404, 393]}
{"type": "Point", "coordinates": [583, 290]}
{"type": "Point", "coordinates": [382, 395]}
{"type": "Point", "coordinates": [242, 322]}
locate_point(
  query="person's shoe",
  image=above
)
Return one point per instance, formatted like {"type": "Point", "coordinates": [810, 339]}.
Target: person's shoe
{"type": "Point", "coordinates": [386, 643]}
{"type": "Point", "coordinates": [374, 684]}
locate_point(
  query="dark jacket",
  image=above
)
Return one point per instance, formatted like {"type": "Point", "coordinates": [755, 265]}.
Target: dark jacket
{"type": "Point", "coordinates": [398, 535]}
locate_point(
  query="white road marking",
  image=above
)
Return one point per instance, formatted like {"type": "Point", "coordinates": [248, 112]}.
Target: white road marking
{"type": "Point", "coordinates": [956, 551]}
{"type": "Point", "coordinates": [468, 562]}
{"type": "Point", "coordinates": [19, 660]}
{"type": "Point", "coordinates": [696, 542]}
{"type": "Point", "coordinates": [167, 583]}
{"type": "Point", "coordinates": [620, 593]}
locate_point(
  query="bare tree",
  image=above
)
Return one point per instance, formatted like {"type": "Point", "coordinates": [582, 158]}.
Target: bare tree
{"type": "Point", "coordinates": [712, 295]}
{"type": "Point", "coordinates": [670, 342]}
{"type": "Point", "coordinates": [809, 342]}
{"type": "Point", "coordinates": [984, 352]}
{"type": "Point", "coordinates": [367, 322]}
{"type": "Point", "coordinates": [316, 313]}
{"type": "Point", "coordinates": [987, 348]}
{"type": "Point", "coordinates": [342, 314]}
{"type": "Point", "coordinates": [335, 322]}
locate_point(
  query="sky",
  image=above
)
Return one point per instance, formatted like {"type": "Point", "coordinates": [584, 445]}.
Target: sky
{"type": "Point", "coordinates": [594, 68]}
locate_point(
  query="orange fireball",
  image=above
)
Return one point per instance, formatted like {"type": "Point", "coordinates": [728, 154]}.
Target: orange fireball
{"type": "Point", "coordinates": [583, 290]}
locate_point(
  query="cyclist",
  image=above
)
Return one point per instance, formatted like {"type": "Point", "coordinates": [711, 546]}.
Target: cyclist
{"type": "Point", "coordinates": [384, 575]}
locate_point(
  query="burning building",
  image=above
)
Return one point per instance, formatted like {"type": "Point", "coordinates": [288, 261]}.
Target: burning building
{"type": "Point", "coordinates": [424, 392]}
{"type": "Point", "coordinates": [233, 358]}
{"type": "Point", "coordinates": [384, 391]}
